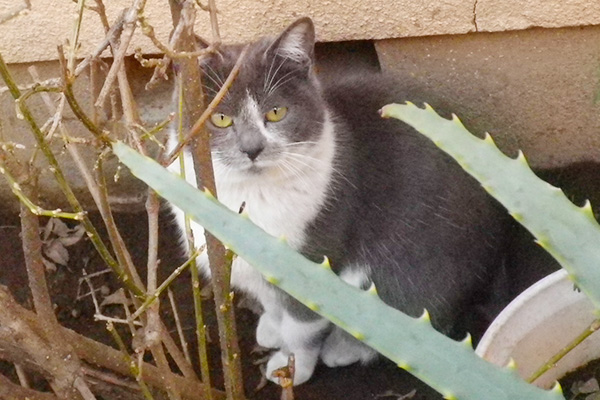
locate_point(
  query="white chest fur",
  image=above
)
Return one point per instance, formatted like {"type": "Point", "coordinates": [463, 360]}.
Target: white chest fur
{"type": "Point", "coordinates": [282, 201]}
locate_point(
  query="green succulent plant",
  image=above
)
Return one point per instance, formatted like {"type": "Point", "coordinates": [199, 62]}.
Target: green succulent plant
{"type": "Point", "coordinates": [450, 367]}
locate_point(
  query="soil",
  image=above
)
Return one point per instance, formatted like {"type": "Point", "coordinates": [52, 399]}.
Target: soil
{"type": "Point", "coordinates": [583, 382]}
{"type": "Point", "coordinates": [382, 380]}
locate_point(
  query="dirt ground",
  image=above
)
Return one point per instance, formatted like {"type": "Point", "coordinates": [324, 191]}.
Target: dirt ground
{"type": "Point", "coordinates": [382, 380]}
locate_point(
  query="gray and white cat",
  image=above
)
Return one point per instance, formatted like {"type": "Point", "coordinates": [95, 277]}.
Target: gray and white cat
{"type": "Point", "coordinates": [313, 162]}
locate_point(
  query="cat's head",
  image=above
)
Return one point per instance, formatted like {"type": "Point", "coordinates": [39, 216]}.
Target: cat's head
{"type": "Point", "coordinates": [273, 115]}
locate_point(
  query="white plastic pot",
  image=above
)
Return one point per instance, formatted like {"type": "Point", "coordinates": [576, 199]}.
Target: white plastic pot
{"type": "Point", "coordinates": [537, 324]}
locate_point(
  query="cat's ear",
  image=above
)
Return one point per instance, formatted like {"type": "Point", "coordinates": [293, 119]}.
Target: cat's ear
{"type": "Point", "coordinates": [296, 43]}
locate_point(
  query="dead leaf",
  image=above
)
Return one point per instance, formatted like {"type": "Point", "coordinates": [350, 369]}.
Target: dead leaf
{"type": "Point", "coordinates": [73, 236]}
{"type": "Point", "coordinates": [50, 266]}
{"type": "Point", "coordinates": [60, 228]}
{"type": "Point", "coordinates": [56, 252]}
{"type": "Point", "coordinates": [585, 387]}
{"type": "Point", "coordinates": [117, 297]}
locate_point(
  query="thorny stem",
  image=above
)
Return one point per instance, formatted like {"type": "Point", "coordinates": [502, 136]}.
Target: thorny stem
{"type": "Point", "coordinates": [593, 327]}
{"type": "Point", "coordinates": [75, 36]}
{"type": "Point", "coordinates": [114, 235]}
{"type": "Point", "coordinates": [133, 367]}
{"type": "Point", "coordinates": [30, 205]}
{"type": "Point", "coordinates": [63, 184]}
{"type": "Point", "coordinates": [182, 341]}
{"type": "Point", "coordinates": [68, 79]}
{"type": "Point", "coordinates": [165, 285]}
{"type": "Point", "coordinates": [34, 209]}
{"type": "Point", "coordinates": [36, 272]}
{"type": "Point", "coordinates": [192, 98]}
{"type": "Point", "coordinates": [200, 326]}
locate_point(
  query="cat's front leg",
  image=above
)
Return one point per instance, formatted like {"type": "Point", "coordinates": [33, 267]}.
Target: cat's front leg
{"type": "Point", "coordinates": [304, 339]}
{"type": "Point", "coordinates": [268, 331]}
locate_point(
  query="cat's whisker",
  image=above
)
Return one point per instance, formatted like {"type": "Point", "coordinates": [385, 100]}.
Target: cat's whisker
{"type": "Point", "coordinates": [216, 75]}
{"type": "Point", "coordinates": [268, 90]}
{"type": "Point", "coordinates": [281, 81]}
{"type": "Point", "coordinates": [290, 76]}
{"type": "Point", "coordinates": [308, 142]}
{"type": "Point", "coordinates": [208, 88]}
{"type": "Point", "coordinates": [299, 156]}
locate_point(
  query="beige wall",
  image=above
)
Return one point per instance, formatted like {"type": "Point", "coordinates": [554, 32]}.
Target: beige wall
{"type": "Point", "coordinates": [537, 90]}
{"type": "Point", "coordinates": [35, 35]}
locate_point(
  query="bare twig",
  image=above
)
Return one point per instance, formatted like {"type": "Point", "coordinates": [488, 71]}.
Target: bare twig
{"type": "Point", "coordinates": [286, 378]}
{"type": "Point", "coordinates": [196, 292]}
{"type": "Point", "coordinates": [36, 272]}
{"type": "Point", "coordinates": [148, 30]}
{"type": "Point", "coordinates": [214, 23]}
{"type": "Point", "coordinates": [179, 327]}
{"type": "Point", "coordinates": [133, 366]}
{"type": "Point", "coordinates": [551, 363]}
{"type": "Point", "coordinates": [30, 205]}
{"type": "Point", "coordinates": [192, 98]}
{"type": "Point", "coordinates": [22, 375]}
{"type": "Point", "coordinates": [129, 26]}
{"type": "Point", "coordinates": [93, 352]}
{"type": "Point", "coordinates": [62, 182]}
{"type": "Point", "coordinates": [10, 391]}
{"type": "Point", "coordinates": [114, 235]}
{"type": "Point", "coordinates": [74, 43]}
{"type": "Point", "coordinates": [152, 334]}
{"type": "Point", "coordinates": [43, 344]}
{"type": "Point", "coordinates": [152, 297]}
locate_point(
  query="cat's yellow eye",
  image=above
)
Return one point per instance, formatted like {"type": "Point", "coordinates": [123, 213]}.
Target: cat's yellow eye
{"type": "Point", "coordinates": [276, 114]}
{"type": "Point", "coordinates": [221, 120]}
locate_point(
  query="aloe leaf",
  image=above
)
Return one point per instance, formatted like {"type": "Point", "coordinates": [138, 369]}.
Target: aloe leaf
{"type": "Point", "coordinates": [450, 367]}
{"type": "Point", "coordinates": [568, 232]}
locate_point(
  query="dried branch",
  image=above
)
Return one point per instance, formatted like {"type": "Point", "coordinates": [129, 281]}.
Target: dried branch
{"type": "Point", "coordinates": [36, 272]}
{"type": "Point", "coordinates": [62, 182]}
{"type": "Point", "coordinates": [11, 391]}
{"type": "Point", "coordinates": [191, 101]}
{"type": "Point", "coordinates": [214, 23]}
{"type": "Point", "coordinates": [134, 368]}
{"type": "Point", "coordinates": [114, 235]}
{"type": "Point", "coordinates": [182, 341]}
{"type": "Point", "coordinates": [68, 80]}
{"type": "Point", "coordinates": [43, 345]}
{"type": "Point", "coordinates": [150, 298]}
{"type": "Point", "coordinates": [30, 205]}
{"type": "Point", "coordinates": [129, 25]}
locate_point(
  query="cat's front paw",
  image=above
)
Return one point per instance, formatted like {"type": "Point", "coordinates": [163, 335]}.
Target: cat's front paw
{"type": "Point", "coordinates": [304, 366]}
{"type": "Point", "coordinates": [340, 349]}
{"type": "Point", "coordinates": [268, 331]}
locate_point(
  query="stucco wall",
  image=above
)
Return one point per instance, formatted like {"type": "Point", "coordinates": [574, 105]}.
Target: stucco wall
{"type": "Point", "coordinates": [34, 36]}
{"type": "Point", "coordinates": [536, 90]}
